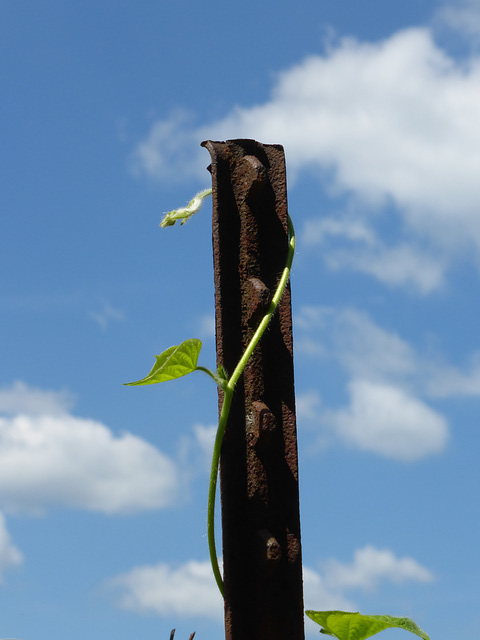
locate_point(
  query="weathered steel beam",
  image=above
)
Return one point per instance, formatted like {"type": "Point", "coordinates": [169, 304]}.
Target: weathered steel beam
{"type": "Point", "coordinates": [259, 465]}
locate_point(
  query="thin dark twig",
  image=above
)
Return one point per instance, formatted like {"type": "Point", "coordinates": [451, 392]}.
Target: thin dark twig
{"type": "Point", "coordinates": [192, 635]}
{"type": "Point", "coordinates": [172, 633]}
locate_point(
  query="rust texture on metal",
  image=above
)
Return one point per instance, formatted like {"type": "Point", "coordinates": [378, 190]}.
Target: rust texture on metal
{"type": "Point", "coordinates": [259, 465]}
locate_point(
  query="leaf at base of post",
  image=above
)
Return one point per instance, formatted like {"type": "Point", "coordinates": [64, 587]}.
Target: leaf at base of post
{"type": "Point", "coordinates": [355, 626]}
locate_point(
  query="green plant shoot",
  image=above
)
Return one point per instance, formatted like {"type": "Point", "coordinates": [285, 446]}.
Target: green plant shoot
{"type": "Point", "coordinates": [185, 213]}
{"type": "Point", "coordinates": [178, 361]}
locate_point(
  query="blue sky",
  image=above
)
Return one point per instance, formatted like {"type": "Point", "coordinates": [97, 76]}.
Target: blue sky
{"type": "Point", "coordinates": [103, 487]}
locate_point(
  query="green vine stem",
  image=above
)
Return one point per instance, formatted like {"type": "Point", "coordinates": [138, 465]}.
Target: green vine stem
{"type": "Point", "coordinates": [180, 360]}
{"type": "Point", "coordinates": [228, 390]}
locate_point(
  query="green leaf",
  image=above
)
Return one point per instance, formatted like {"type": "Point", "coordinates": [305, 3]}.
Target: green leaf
{"type": "Point", "coordinates": [355, 626]}
{"type": "Point", "coordinates": [173, 363]}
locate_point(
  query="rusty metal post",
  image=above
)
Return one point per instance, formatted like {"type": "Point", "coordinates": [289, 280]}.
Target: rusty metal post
{"type": "Point", "coordinates": [259, 465]}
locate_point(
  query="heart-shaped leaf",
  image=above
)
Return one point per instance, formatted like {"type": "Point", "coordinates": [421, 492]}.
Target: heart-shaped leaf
{"type": "Point", "coordinates": [355, 626]}
{"type": "Point", "coordinates": [173, 363]}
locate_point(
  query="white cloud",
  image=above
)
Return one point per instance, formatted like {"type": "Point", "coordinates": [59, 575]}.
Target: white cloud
{"type": "Point", "coordinates": [186, 590]}
{"type": "Point", "coordinates": [20, 398]}
{"type": "Point", "coordinates": [318, 594]}
{"type": "Point", "coordinates": [190, 590]}
{"type": "Point", "coordinates": [10, 556]}
{"type": "Point", "coordinates": [392, 122]}
{"type": "Point", "coordinates": [389, 421]}
{"type": "Point", "coordinates": [388, 380]}
{"type": "Point", "coordinates": [371, 566]}
{"type": "Point", "coordinates": [49, 457]}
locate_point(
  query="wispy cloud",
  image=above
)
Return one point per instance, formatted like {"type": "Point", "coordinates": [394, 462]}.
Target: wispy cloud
{"type": "Point", "coordinates": [50, 457]}
{"type": "Point", "coordinates": [446, 381]}
{"type": "Point", "coordinates": [10, 556]}
{"type": "Point", "coordinates": [462, 16]}
{"type": "Point", "coordinates": [368, 351]}
{"type": "Point", "coordinates": [105, 314]}
{"type": "Point", "coordinates": [353, 244]}
{"type": "Point", "coordinates": [361, 346]}
{"type": "Point", "coordinates": [166, 151]}
{"type": "Point", "coordinates": [85, 303]}
{"type": "Point", "coordinates": [195, 452]}
{"type": "Point", "coordinates": [308, 404]}
{"type": "Point", "coordinates": [207, 326]}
